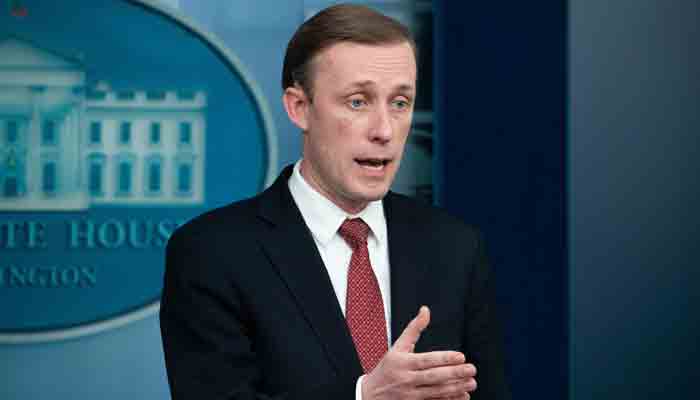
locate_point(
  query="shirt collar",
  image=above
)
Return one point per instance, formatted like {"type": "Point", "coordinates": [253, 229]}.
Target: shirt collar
{"type": "Point", "coordinates": [324, 218]}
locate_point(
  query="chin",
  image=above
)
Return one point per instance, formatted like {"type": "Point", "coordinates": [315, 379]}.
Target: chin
{"type": "Point", "coordinates": [365, 192]}
{"type": "Point", "coordinates": [374, 194]}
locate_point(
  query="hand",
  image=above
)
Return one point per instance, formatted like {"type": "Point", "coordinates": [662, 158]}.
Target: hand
{"type": "Point", "coordinates": [403, 374]}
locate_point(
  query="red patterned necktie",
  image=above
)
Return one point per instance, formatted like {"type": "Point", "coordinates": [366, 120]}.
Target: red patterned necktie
{"type": "Point", "coordinates": [364, 309]}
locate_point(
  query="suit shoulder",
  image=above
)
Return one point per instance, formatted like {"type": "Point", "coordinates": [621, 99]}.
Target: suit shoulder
{"type": "Point", "coordinates": [238, 216]}
{"type": "Point", "coordinates": [427, 215]}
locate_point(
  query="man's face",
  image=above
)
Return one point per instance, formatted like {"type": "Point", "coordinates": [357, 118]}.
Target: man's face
{"type": "Point", "coordinates": [356, 124]}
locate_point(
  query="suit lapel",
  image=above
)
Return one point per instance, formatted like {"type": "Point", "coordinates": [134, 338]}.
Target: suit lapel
{"type": "Point", "coordinates": [407, 263]}
{"type": "Point", "coordinates": [291, 249]}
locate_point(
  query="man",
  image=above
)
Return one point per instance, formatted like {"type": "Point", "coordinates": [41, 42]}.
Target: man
{"type": "Point", "coordinates": [310, 290]}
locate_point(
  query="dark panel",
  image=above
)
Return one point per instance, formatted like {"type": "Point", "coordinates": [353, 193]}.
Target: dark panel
{"type": "Point", "coordinates": [500, 155]}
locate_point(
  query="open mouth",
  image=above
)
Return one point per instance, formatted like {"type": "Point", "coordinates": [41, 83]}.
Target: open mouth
{"type": "Point", "coordinates": [373, 163]}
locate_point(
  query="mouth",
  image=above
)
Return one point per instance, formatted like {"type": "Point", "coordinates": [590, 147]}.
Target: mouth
{"type": "Point", "coordinates": [375, 164]}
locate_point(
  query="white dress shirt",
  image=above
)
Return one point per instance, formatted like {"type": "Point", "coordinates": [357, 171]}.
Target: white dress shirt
{"type": "Point", "coordinates": [324, 218]}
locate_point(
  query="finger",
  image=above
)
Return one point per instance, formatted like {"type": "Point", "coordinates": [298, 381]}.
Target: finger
{"type": "Point", "coordinates": [471, 384]}
{"type": "Point", "coordinates": [446, 374]}
{"type": "Point", "coordinates": [462, 396]}
{"type": "Point", "coordinates": [408, 339]}
{"type": "Point", "coordinates": [451, 389]}
{"type": "Point", "coordinates": [433, 359]}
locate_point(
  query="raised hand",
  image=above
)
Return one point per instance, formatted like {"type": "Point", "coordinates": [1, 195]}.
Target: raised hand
{"type": "Point", "coordinates": [403, 374]}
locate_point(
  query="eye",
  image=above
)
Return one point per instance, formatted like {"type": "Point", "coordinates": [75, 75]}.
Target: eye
{"type": "Point", "coordinates": [356, 104]}
{"type": "Point", "coordinates": [401, 104]}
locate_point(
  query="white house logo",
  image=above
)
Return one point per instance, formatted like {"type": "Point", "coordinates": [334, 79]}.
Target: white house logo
{"type": "Point", "coordinates": [109, 141]}
{"type": "Point", "coordinates": [67, 146]}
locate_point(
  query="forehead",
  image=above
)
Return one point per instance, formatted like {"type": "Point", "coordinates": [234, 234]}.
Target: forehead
{"type": "Point", "coordinates": [347, 63]}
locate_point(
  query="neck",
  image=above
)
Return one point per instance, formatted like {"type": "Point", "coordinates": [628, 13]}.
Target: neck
{"type": "Point", "coordinates": [347, 205]}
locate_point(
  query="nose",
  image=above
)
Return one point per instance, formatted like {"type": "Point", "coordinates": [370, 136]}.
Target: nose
{"type": "Point", "coordinates": [381, 129]}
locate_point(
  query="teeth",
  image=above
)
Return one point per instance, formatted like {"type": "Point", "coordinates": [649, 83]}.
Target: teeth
{"type": "Point", "coordinates": [373, 161]}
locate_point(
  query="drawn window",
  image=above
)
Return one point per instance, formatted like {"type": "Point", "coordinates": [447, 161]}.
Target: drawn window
{"type": "Point", "coordinates": [93, 94]}
{"type": "Point", "coordinates": [154, 174]}
{"type": "Point", "coordinates": [184, 178]}
{"type": "Point", "coordinates": [95, 132]}
{"type": "Point", "coordinates": [155, 133]}
{"type": "Point", "coordinates": [154, 177]}
{"type": "Point", "coordinates": [124, 171]}
{"type": "Point", "coordinates": [95, 179]}
{"type": "Point", "coordinates": [48, 133]}
{"type": "Point", "coordinates": [126, 95]}
{"type": "Point", "coordinates": [185, 133]}
{"type": "Point", "coordinates": [95, 175]}
{"type": "Point", "coordinates": [12, 132]}
{"type": "Point", "coordinates": [156, 95]}
{"type": "Point", "coordinates": [48, 179]}
{"type": "Point", "coordinates": [11, 189]}
{"type": "Point", "coordinates": [125, 133]}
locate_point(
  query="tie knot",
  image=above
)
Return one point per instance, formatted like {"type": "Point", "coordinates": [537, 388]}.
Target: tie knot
{"type": "Point", "coordinates": [355, 232]}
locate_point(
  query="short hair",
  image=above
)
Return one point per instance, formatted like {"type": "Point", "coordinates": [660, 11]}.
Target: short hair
{"type": "Point", "coordinates": [340, 23]}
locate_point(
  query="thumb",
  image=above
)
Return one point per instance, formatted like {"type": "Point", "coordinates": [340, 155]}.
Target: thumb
{"type": "Point", "coordinates": [407, 341]}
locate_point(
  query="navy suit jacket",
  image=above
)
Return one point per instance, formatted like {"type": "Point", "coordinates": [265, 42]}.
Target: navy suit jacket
{"type": "Point", "coordinates": [248, 310]}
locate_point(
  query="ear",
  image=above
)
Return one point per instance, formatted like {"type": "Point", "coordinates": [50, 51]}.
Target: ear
{"type": "Point", "coordinates": [296, 103]}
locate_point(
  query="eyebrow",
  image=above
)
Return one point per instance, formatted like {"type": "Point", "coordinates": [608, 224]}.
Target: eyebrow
{"type": "Point", "coordinates": [406, 88]}
{"type": "Point", "coordinates": [364, 84]}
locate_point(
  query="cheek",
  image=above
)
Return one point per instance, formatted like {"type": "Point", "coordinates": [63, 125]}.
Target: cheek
{"type": "Point", "coordinates": [344, 125]}
{"type": "Point", "coordinates": [346, 136]}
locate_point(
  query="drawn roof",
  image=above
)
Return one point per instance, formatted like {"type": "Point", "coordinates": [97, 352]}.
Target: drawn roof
{"type": "Point", "coordinates": [16, 52]}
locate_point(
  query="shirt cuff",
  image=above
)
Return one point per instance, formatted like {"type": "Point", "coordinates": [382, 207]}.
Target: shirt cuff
{"type": "Point", "coordinates": [358, 388]}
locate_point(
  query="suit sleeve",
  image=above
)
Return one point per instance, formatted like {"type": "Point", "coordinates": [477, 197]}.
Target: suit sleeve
{"type": "Point", "coordinates": [483, 331]}
{"type": "Point", "coordinates": [209, 352]}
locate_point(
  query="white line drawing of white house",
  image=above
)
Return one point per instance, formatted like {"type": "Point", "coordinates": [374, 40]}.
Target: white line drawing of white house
{"type": "Point", "coordinates": [65, 146]}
